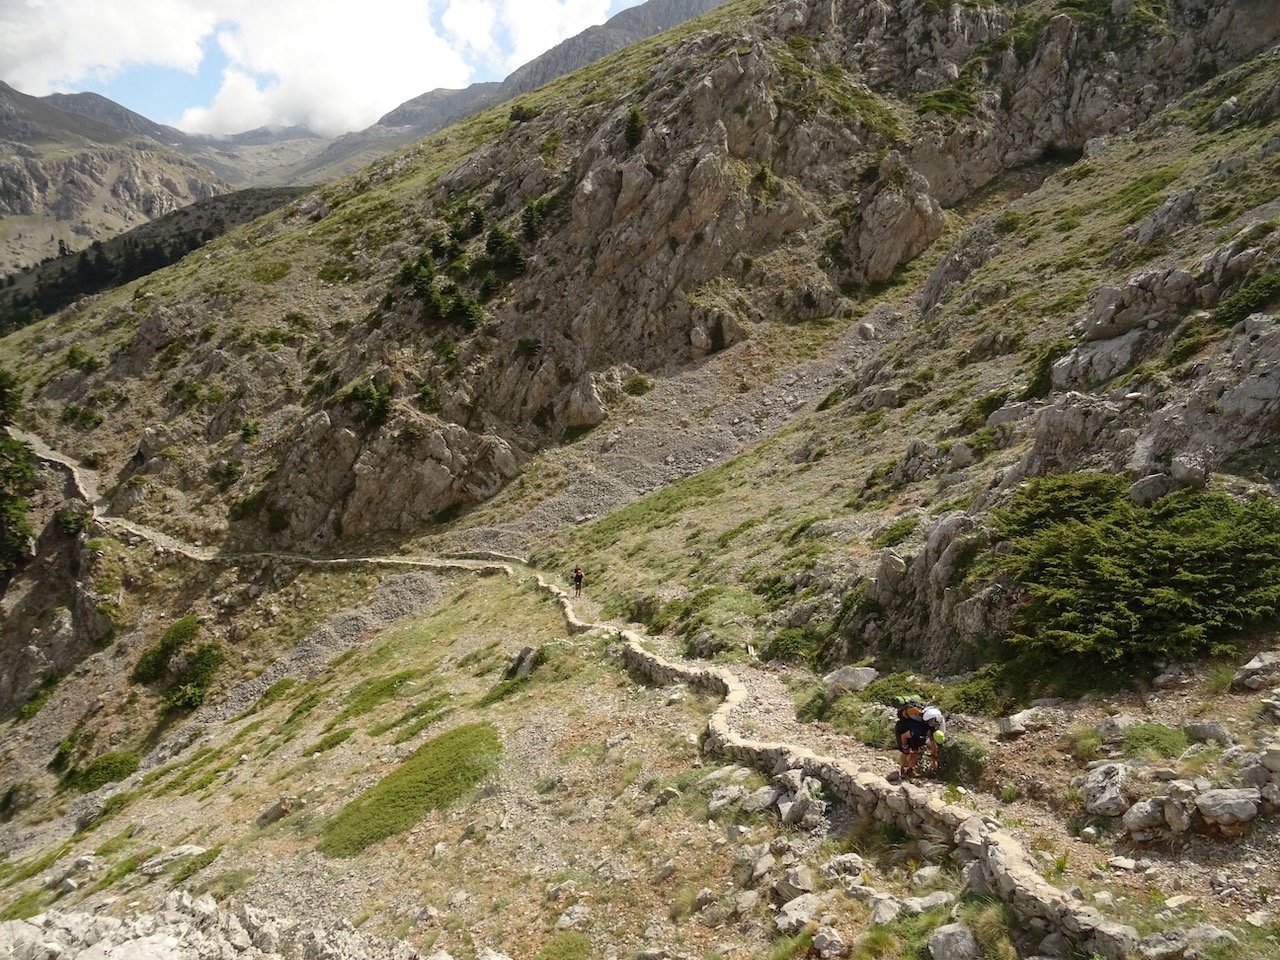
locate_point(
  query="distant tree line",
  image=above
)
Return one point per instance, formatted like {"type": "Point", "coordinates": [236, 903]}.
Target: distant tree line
{"type": "Point", "coordinates": [63, 280]}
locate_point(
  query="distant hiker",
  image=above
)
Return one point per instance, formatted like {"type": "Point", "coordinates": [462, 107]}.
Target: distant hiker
{"type": "Point", "coordinates": [917, 726]}
{"type": "Point", "coordinates": [577, 581]}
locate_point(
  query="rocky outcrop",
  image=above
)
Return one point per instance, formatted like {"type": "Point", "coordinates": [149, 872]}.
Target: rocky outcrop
{"type": "Point", "coordinates": [95, 192]}
{"type": "Point", "coordinates": [334, 479]}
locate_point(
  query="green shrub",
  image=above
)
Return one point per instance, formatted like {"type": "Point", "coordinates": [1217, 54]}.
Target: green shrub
{"type": "Point", "coordinates": [892, 688]}
{"type": "Point", "coordinates": [18, 797]}
{"type": "Point", "coordinates": [192, 684]}
{"type": "Point", "coordinates": [1255, 295]}
{"type": "Point", "coordinates": [155, 659]}
{"type": "Point", "coordinates": [963, 759]}
{"type": "Point", "coordinates": [271, 271]}
{"type": "Point", "coordinates": [896, 533]}
{"type": "Point", "coordinates": [368, 694]}
{"type": "Point", "coordinates": [78, 358]}
{"type": "Point", "coordinates": [1041, 382]}
{"type": "Point", "coordinates": [637, 385]}
{"type": "Point", "coordinates": [331, 740]}
{"type": "Point", "coordinates": [567, 945]}
{"type": "Point", "coordinates": [106, 768]}
{"type": "Point", "coordinates": [373, 403]}
{"type": "Point", "coordinates": [1107, 581]}
{"type": "Point", "coordinates": [795, 645]}
{"type": "Point", "coordinates": [183, 869]}
{"type": "Point", "coordinates": [38, 699]}
{"type": "Point", "coordinates": [986, 691]}
{"type": "Point", "coordinates": [438, 773]}
{"type": "Point", "coordinates": [17, 480]}
{"type": "Point", "coordinates": [1154, 740]}
{"type": "Point", "coordinates": [502, 689]}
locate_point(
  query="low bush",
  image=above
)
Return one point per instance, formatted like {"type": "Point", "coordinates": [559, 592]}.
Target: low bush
{"type": "Point", "coordinates": [154, 661]}
{"type": "Point", "coordinates": [567, 945]}
{"type": "Point", "coordinates": [963, 759]}
{"type": "Point", "coordinates": [192, 685]}
{"type": "Point", "coordinates": [438, 773]}
{"type": "Point", "coordinates": [1154, 740]}
{"type": "Point", "coordinates": [331, 740]}
{"type": "Point", "coordinates": [896, 533]}
{"type": "Point", "coordinates": [1109, 582]}
{"type": "Point", "coordinates": [1255, 295]}
{"type": "Point", "coordinates": [39, 698]}
{"type": "Point", "coordinates": [106, 768]}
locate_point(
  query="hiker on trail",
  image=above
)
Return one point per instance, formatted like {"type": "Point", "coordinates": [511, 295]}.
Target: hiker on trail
{"type": "Point", "coordinates": [577, 581]}
{"type": "Point", "coordinates": [917, 726]}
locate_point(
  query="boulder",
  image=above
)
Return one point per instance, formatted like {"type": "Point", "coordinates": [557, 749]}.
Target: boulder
{"type": "Point", "coordinates": [1106, 790]}
{"type": "Point", "coordinates": [1259, 672]}
{"type": "Point", "coordinates": [796, 882]}
{"type": "Point", "coordinates": [761, 799]}
{"type": "Point", "coordinates": [954, 941]}
{"type": "Point", "coordinates": [1229, 807]}
{"type": "Point", "coordinates": [1145, 820]}
{"type": "Point", "coordinates": [884, 909]}
{"type": "Point", "coordinates": [798, 913]}
{"type": "Point", "coordinates": [849, 679]}
{"type": "Point", "coordinates": [829, 943]}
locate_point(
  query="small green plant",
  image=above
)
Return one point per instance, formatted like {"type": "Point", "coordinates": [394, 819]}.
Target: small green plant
{"type": "Point", "coordinates": [38, 699]}
{"type": "Point", "coordinates": [154, 661]}
{"type": "Point", "coordinates": [78, 358]}
{"type": "Point", "coordinates": [331, 740]}
{"type": "Point", "coordinates": [566, 945]}
{"type": "Point", "coordinates": [1154, 740]}
{"type": "Point", "coordinates": [994, 925]}
{"type": "Point", "coordinates": [373, 403]}
{"type": "Point", "coordinates": [1083, 743]}
{"type": "Point", "coordinates": [637, 385]}
{"type": "Point", "coordinates": [106, 768]}
{"type": "Point", "coordinates": [438, 773]}
{"type": "Point", "coordinates": [271, 272]}
{"type": "Point", "coordinates": [896, 533]}
{"type": "Point", "coordinates": [182, 870]}
{"type": "Point", "coordinates": [1255, 295]}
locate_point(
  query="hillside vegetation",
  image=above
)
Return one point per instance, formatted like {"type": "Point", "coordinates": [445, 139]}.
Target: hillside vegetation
{"type": "Point", "coordinates": [934, 338]}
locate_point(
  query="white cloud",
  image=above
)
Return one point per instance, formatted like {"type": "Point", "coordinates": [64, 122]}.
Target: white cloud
{"type": "Point", "coordinates": [537, 25]}
{"type": "Point", "coordinates": [470, 25]}
{"type": "Point", "coordinates": [325, 64]}
{"type": "Point", "coordinates": [47, 44]}
{"type": "Point", "coordinates": [330, 65]}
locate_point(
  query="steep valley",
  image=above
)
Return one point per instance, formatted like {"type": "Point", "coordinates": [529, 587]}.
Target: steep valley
{"type": "Point", "coordinates": [854, 350]}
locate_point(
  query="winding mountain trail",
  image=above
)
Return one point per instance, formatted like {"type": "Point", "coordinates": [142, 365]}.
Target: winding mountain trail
{"type": "Point", "coordinates": [755, 723]}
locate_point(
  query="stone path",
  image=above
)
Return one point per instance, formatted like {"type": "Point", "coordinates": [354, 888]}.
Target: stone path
{"type": "Point", "coordinates": [755, 724]}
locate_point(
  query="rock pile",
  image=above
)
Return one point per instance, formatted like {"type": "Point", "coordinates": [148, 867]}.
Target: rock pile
{"type": "Point", "coordinates": [191, 929]}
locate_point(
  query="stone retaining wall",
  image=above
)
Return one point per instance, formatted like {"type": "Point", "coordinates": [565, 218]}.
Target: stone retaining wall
{"type": "Point", "coordinates": [996, 862]}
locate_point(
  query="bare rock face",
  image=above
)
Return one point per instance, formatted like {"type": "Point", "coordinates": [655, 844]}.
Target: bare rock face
{"type": "Point", "coordinates": [91, 192]}
{"type": "Point", "coordinates": [336, 480]}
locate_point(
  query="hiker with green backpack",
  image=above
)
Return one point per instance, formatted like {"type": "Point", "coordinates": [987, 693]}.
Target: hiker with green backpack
{"type": "Point", "coordinates": [918, 725]}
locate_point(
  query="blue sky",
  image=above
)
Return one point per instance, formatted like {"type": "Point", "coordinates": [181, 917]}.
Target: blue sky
{"type": "Point", "coordinates": [225, 66]}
